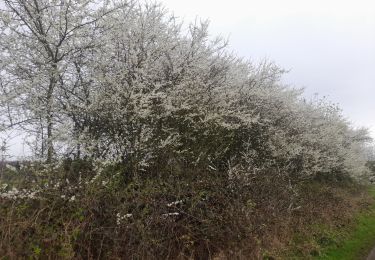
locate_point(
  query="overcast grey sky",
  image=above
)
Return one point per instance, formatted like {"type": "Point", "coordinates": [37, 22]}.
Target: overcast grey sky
{"type": "Point", "coordinates": [329, 45]}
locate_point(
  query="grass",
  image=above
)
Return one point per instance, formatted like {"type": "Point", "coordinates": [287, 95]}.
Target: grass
{"type": "Point", "coordinates": [356, 241]}
{"type": "Point", "coordinates": [348, 233]}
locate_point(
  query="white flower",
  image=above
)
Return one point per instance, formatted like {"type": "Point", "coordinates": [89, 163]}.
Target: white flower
{"type": "Point", "coordinates": [175, 203]}
{"type": "Point", "coordinates": [171, 214]}
{"type": "Point", "coordinates": [10, 167]}
{"type": "Point", "coordinates": [14, 193]}
{"type": "Point", "coordinates": [120, 218]}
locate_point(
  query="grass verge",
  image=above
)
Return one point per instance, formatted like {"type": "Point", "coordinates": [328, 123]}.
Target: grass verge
{"type": "Point", "coordinates": [356, 241]}
{"type": "Point", "coordinates": [344, 231]}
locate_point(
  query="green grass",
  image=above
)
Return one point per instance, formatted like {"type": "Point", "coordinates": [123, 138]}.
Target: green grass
{"type": "Point", "coordinates": [357, 241]}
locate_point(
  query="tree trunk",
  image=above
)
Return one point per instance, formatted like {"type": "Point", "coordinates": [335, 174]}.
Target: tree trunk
{"type": "Point", "coordinates": [49, 113]}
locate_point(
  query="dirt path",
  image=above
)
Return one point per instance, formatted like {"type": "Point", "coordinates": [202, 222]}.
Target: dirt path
{"type": "Point", "coordinates": [371, 256]}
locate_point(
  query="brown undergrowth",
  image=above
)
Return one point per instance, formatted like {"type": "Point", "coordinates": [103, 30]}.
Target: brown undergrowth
{"type": "Point", "coordinates": [191, 214]}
